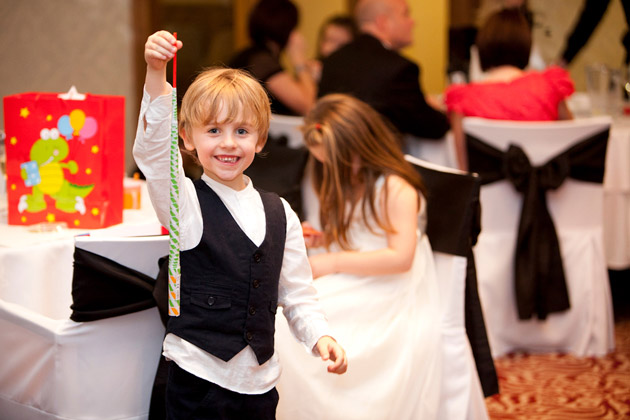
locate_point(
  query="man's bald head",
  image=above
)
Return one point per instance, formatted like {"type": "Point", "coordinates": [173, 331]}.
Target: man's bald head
{"type": "Point", "coordinates": [387, 20]}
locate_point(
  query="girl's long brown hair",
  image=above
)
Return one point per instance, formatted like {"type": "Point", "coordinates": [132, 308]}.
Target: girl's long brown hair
{"type": "Point", "coordinates": [358, 148]}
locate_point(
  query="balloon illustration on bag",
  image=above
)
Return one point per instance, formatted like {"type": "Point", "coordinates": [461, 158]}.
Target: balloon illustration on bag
{"type": "Point", "coordinates": [64, 127]}
{"type": "Point", "coordinates": [77, 124]}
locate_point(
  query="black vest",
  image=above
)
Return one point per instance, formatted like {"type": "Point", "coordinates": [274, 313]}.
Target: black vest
{"type": "Point", "coordinates": [229, 286]}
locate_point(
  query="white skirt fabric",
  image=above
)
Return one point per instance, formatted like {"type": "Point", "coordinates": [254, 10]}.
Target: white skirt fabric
{"type": "Point", "coordinates": [390, 328]}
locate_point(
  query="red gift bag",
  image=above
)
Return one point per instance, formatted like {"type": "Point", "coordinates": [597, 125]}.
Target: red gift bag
{"type": "Point", "coordinates": [65, 159]}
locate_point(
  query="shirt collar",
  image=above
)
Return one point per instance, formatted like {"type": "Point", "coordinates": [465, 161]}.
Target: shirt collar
{"type": "Point", "coordinates": [225, 191]}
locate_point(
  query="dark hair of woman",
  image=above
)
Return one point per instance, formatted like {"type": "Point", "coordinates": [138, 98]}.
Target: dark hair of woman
{"type": "Point", "coordinates": [505, 39]}
{"type": "Point", "coordinates": [272, 20]}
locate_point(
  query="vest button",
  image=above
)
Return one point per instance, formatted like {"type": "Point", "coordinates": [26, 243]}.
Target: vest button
{"type": "Point", "coordinates": [249, 336]}
{"type": "Point", "coordinates": [252, 310]}
{"type": "Point", "coordinates": [257, 257]}
{"type": "Point", "coordinates": [256, 283]}
{"type": "Point", "coordinates": [211, 300]}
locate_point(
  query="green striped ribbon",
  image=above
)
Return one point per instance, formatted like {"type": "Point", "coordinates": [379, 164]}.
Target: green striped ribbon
{"type": "Point", "coordinates": [174, 272]}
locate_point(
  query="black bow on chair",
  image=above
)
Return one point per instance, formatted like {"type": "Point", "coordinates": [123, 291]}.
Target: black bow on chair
{"type": "Point", "coordinates": [102, 288]}
{"type": "Point", "coordinates": [453, 224]}
{"type": "Point", "coordinates": [538, 272]}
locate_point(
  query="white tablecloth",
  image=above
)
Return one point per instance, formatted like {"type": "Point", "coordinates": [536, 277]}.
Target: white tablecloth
{"type": "Point", "coordinates": [616, 184]}
{"type": "Point", "coordinates": [54, 368]}
{"type": "Point", "coordinates": [36, 267]}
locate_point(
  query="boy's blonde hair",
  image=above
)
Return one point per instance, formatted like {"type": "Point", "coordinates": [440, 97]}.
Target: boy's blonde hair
{"type": "Point", "coordinates": [234, 89]}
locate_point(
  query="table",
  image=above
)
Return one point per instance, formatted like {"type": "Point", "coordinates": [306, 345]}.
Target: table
{"type": "Point", "coordinates": [616, 184]}
{"type": "Point", "coordinates": [54, 367]}
{"type": "Point", "coordinates": [41, 262]}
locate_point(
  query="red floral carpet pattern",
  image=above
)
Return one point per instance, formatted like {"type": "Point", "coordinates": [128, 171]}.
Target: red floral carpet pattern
{"type": "Point", "coordinates": [561, 386]}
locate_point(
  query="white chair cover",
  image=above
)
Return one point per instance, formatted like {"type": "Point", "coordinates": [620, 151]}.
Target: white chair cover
{"type": "Point", "coordinates": [576, 207]}
{"type": "Point", "coordinates": [289, 126]}
{"type": "Point", "coordinates": [61, 369]}
{"type": "Point", "coordinates": [441, 152]}
{"type": "Point", "coordinates": [461, 395]}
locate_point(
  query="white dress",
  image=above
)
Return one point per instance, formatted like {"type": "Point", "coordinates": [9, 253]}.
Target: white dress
{"type": "Point", "coordinates": [390, 328]}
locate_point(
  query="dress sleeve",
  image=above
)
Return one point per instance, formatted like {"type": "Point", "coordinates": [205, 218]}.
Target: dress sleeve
{"type": "Point", "coordinates": [561, 81]}
{"type": "Point", "coordinates": [453, 98]}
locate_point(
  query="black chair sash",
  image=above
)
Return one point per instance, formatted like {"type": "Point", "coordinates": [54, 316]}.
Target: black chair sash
{"type": "Point", "coordinates": [453, 224]}
{"type": "Point", "coordinates": [452, 210]}
{"type": "Point", "coordinates": [540, 283]}
{"type": "Point", "coordinates": [102, 288]}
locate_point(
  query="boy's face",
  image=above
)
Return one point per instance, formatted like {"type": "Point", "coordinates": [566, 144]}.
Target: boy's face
{"type": "Point", "coordinates": [225, 150]}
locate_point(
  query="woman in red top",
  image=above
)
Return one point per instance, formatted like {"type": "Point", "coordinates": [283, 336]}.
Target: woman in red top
{"type": "Point", "coordinates": [508, 92]}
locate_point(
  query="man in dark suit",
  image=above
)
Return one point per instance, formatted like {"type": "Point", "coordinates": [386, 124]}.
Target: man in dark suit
{"type": "Point", "coordinates": [371, 69]}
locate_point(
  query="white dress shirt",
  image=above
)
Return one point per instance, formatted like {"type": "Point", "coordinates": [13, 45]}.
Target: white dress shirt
{"type": "Point", "coordinates": [296, 294]}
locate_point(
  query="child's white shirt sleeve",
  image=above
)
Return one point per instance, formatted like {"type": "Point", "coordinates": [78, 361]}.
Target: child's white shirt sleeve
{"type": "Point", "coordinates": [296, 293]}
{"type": "Point", "coordinates": [151, 151]}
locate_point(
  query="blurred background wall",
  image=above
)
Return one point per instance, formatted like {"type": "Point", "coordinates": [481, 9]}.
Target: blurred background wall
{"type": "Point", "coordinates": [96, 45]}
{"type": "Point", "coordinates": [553, 20]}
{"type": "Point", "coordinates": [48, 46]}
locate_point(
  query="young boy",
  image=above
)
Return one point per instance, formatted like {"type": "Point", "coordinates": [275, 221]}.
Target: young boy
{"type": "Point", "coordinates": [242, 250]}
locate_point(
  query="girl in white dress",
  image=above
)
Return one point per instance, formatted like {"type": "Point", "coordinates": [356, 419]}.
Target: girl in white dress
{"type": "Point", "coordinates": [375, 278]}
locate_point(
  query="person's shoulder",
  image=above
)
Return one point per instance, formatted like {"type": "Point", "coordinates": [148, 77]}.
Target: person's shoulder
{"type": "Point", "coordinates": [560, 79]}
{"type": "Point", "coordinates": [457, 92]}
{"type": "Point", "coordinates": [397, 184]}
{"type": "Point", "coordinates": [258, 61]}
{"type": "Point", "coordinates": [240, 58]}
{"type": "Point", "coordinates": [344, 52]}
{"type": "Point", "coordinates": [270, 195]}
{"type": "Point", "coordinates": [556, 71]}
{"type": "Point", "coordinates": [250, 55]}
{"type": "Point", "coordinates": [364, 46]}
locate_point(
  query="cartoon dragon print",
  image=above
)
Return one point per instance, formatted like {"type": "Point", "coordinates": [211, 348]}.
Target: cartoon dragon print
{"type": "Point", "coordinates": [45, 174]}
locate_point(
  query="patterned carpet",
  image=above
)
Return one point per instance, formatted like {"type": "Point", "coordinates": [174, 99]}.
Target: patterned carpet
{"type": "Point", "coordinates": [560, 386]}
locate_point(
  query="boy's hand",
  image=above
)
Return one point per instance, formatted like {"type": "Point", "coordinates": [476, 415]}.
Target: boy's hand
{"type": "Point", "coordinates": [329, 349]}
{"type": "Point", "coordinates": [159, 49]}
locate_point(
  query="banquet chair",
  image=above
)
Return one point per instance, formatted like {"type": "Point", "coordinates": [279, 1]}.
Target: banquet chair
{"type": "Point", "coordinates": [287, 125]}
{"type": "Point", "coordinates": [542, 273]}
{"type": "Point", "coordinates": [441, 151]}
{"type": "Point", "coordinates": [101, 362]}
{"type": "Point", "coordinates": [452, 207]}
{"type": "Point", "coordinates": [290, 167]}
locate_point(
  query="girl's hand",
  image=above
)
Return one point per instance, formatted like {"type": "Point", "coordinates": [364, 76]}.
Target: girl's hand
{"type": "Point", "coordinates": [313, 238]}
{"type": "Point", "coordinates": [159, 49]}
{"type": "Point", "coordinates": [329, 349]}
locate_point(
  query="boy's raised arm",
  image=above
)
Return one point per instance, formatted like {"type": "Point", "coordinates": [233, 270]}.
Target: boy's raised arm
{"type": "Point", "coordinates": [159, 49]}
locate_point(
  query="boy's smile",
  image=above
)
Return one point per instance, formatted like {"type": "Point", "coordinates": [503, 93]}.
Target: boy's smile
{"type": "Point", "coordinates": [228, 159]}
{"type": "Point", "coordinates": [225, 149]}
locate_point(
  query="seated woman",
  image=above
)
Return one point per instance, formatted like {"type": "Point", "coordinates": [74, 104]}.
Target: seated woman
{"type": "Point", "coordinates": [272, 31]}
{"type": "Point", "coordinates": [508, 92]}
{"type": "Point", "coordinates": [334, 33]}
{"type": "Point", "coordinates": [375, 278]}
